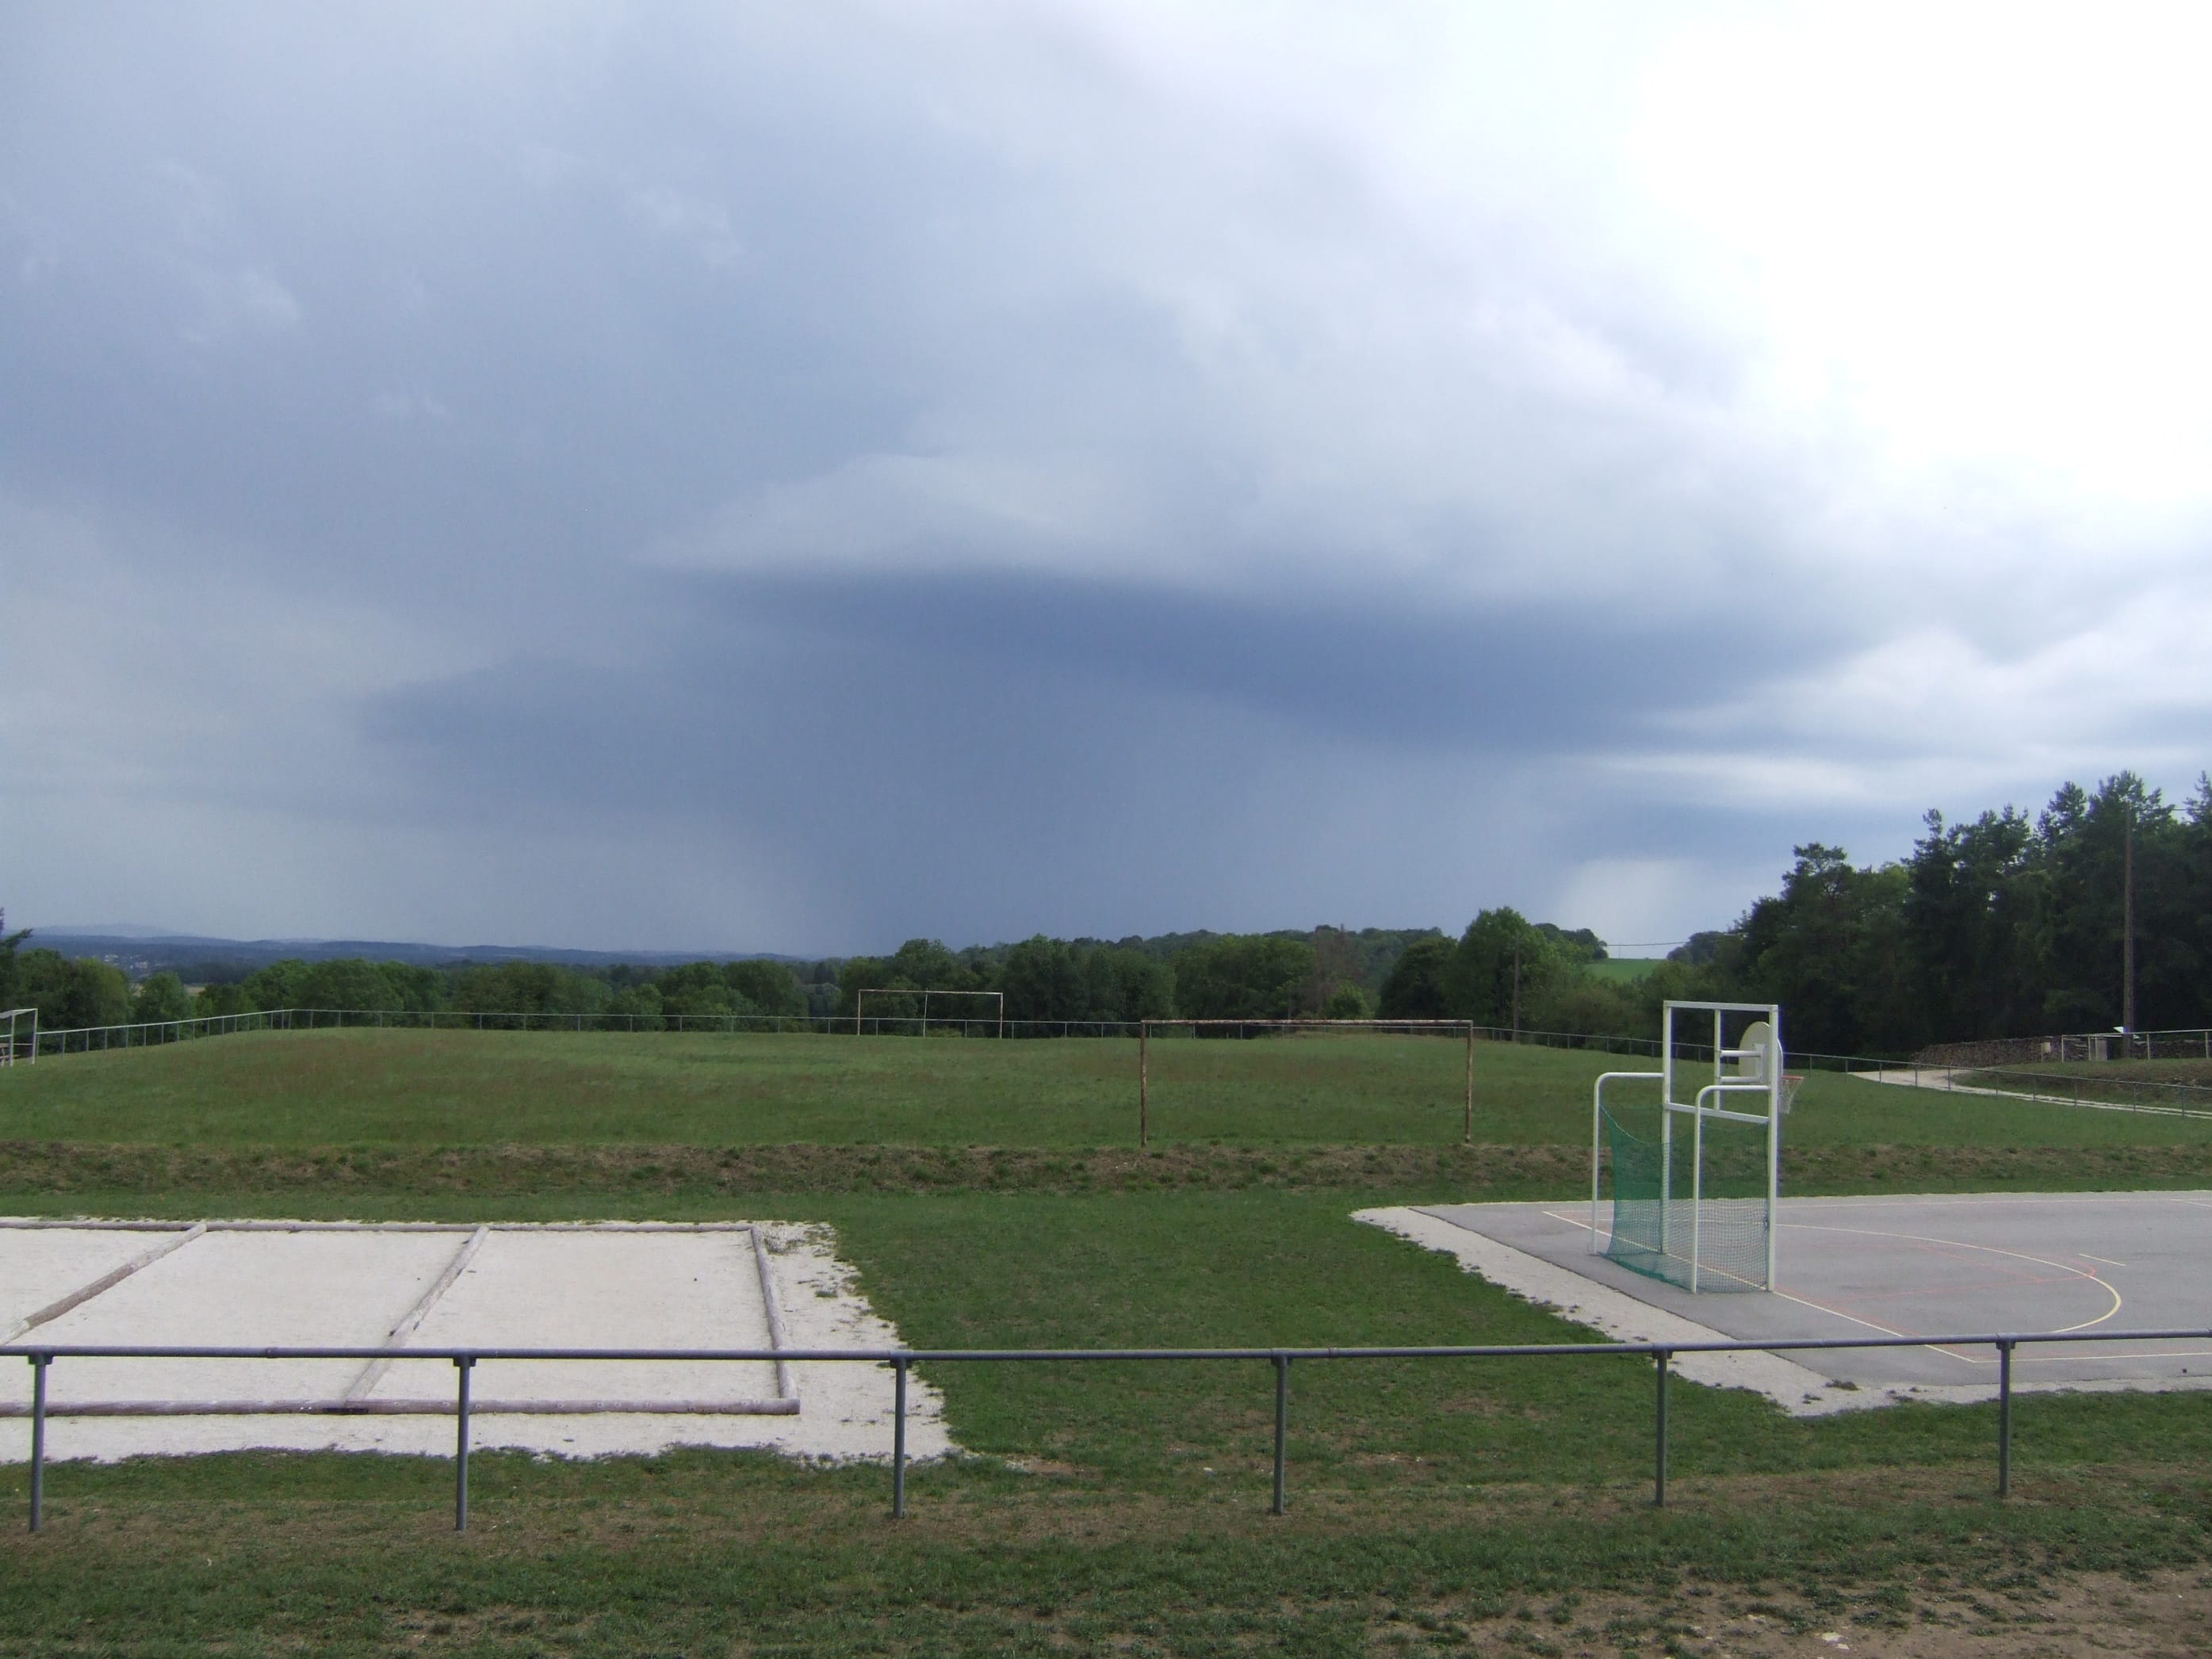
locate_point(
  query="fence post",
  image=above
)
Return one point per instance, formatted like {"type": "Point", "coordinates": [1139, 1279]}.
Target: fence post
{"type": "Point", "coordinates": [1466, 1124]}
{"type": "Point", "coordinates": [1659, 1437]}
{"type": "Point", "coordinates": [1144, 1083]}
{"type": "Point", "coordinates": [39, 1364]}
{"type": "Point", "coordinates": [1282, 1426]}
{"type": "Point", "coordinates": [463, 1363]}
{"type": "Point", "coordinates": [898, 1439]}
{"type": "Point", "coordinates": [2005, 1420]}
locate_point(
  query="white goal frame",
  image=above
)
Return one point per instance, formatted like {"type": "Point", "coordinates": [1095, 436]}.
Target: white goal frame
{"type": "Point", "coordinates": [1754, 1070]}
{"type": "Point", "coordinates": [12, 1016]}
{"type": "Point", "coordinates": [861, 997]}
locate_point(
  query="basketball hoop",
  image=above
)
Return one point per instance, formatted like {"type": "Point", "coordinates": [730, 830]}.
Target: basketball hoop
{"type": "Point", "coordinates": [1789, 1082]}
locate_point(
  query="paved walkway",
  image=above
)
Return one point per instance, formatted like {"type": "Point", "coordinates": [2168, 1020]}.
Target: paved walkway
{"type": "Point", "coordinates": [1945, 1078]}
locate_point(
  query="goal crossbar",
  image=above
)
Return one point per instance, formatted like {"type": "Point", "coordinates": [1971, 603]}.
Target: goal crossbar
{"type": "Point", "coordinates": [861, 997]}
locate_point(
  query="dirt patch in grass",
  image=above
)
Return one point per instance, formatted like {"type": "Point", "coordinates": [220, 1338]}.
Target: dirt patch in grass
{"type": "Point", "coordinates": [2023, 1615]}
{"type": "Point", "coordinates": [56, 1169]}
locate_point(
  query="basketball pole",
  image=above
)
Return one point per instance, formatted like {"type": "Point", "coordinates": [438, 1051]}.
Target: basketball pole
{"type": "Point", "coordinates": [1776, 1064]}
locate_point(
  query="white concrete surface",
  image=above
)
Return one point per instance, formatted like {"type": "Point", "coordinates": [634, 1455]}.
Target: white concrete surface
{"type": "Point", "coordinates": [618, 1285]}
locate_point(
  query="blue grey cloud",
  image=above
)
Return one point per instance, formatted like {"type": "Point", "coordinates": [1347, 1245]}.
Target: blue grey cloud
{"type": "Point", "coordinates": [797, 477]}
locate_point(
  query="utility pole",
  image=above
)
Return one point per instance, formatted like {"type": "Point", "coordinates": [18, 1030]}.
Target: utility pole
{"type": "Point", "coordinates": [2128, 932]}
{"type": "Point", "coordinates": [1516, 990]}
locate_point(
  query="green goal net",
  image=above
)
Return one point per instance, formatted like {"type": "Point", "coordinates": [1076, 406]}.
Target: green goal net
{"type": "Point", "coordinates": [1689, 1208]}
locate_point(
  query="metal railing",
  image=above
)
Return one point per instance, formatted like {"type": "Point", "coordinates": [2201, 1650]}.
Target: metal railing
{"type": "Point", "coordinates": [2112, 1044]}
{"type": "Point", "coordinates": [2153, 1095]}
{"type": "Point", "coordinates": [80, 1039]}
{"type": "Point", "coordinates": [43, 1356]}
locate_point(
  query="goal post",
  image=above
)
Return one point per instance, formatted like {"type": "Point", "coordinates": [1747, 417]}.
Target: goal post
{"type": "Point", "coordinates": [20, 1019]}
{"type": "Point", "coordinates": [860, 1000]}
{"type": "Point", "coordinates": [1696, 1173]}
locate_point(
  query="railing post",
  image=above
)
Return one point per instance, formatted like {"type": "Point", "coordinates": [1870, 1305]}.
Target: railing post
{"type": "Point", "coordinates": [898, 1439]}
{"type": "Point", "coordinates": [1144, 1083]}
{"type": "Point", "coordinates": [1282, 1426]}
{"type": "Point", "coordinates": [463, 1364]}
{"type": "Point", "coordinates": [1467, 1122]}
{"type": "Point", "coordinates": [1659, 1436]}
{"type": "Point", "coordinates": [39, 1364]}
{"type": "Point", "coordinates": [2005, 1420]}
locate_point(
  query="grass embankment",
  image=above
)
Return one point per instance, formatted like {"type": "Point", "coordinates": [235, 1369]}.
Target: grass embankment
{"type": "Point", "coordinates": [1109, 1505]}
{"type": "Point", "coordinates": [366, 1088]}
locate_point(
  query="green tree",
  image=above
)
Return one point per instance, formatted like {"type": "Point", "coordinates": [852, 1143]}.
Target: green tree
{"type": "Point", "coordinates": [347, 982]}
{"type": "Point", "coordinates": [222, 999]}
{"type": "Point", "coordinates": [2084, 852]}
{"type": "Point", "coordinates": [1832, 948]}
{"type": "Point", "coordinates": [1347, 1001]}
{"type": "Point", "coordinates": [1144, 986]}
{"type": "Point", "coordinates": [1502, 964]}
{"type": "Point", "coordinates": [72, 992]}
{"type": "Point", "coordinates": [1042, 978]}
{"type": "Point", "coordinates": [535, 988]}
{"type": "Point", "coordinates": [1415, 986]}
{"type": "Point", "coordinates": [282, 984]}
{"type": "Point", "coordinates": [768, 986]}
{"type": "Point", "coordinates": [636, 1008]}
{"type": "Point", "coordinates": [920, 965]}
{"type": "Point", "coordinates": [1576, 1001]}
{"type": "Point", "coordinates": [160, 997]}
{"type": "Point", "coordinates": [697, 988]}
{"type": "Point", "coordinates": [1242, 976]}
{"type": "Point", "coordinates": [11, 974]}
{"type": "Point", "coordinates": [1970, 904]}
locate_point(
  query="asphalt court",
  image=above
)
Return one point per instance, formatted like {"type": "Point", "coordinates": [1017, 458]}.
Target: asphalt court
{"type": "Point", "coordinates": [1930, 1265]}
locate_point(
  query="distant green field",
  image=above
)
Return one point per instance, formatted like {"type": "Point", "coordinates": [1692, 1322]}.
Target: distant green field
{"type": "Point", "coordinates": [368, 1088]}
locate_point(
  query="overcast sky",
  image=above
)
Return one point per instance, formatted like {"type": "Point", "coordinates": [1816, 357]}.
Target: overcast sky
{"type": "Point", "coordinates": [793, 478]}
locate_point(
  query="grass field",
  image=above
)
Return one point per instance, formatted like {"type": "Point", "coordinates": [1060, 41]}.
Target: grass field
{"type": "Point", "coordinates": [989, 1196]}
{"type": "Point", "coordinates": [448, 1089]}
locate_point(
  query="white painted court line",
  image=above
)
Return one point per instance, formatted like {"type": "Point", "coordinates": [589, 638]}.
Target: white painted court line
{"type": "Point", "coordinates": [372, 1373]}
{"type": "Point", "coordinates": [108, 1280]}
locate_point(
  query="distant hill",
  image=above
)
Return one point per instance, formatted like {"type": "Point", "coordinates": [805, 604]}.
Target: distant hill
{"type": "Point", "coordinates": [197, 957]}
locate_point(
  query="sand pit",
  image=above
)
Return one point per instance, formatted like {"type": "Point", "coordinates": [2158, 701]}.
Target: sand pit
{"type": "Point", "coordinates": [752, 1285]}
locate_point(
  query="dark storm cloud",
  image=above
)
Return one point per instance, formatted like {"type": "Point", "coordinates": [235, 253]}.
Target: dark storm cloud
{"type": "Point", "coordinates": [990, 752]}
{"type": "Point", "coordinates": [800, 477]}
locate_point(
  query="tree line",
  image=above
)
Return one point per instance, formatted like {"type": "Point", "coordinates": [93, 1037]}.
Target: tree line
{"type": "Point", "coordinates": [1999, 925]}
{"type": "Point", "coordinates": [1331, 973]}
{"type": "Point", "coordinates": [85, 991]}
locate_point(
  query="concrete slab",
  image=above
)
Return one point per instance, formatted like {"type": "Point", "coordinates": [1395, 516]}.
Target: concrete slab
{"type": "Point", "coordinates": [1905, 1265]}
{"type": "Point", "coordinates": [304, 1283]}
